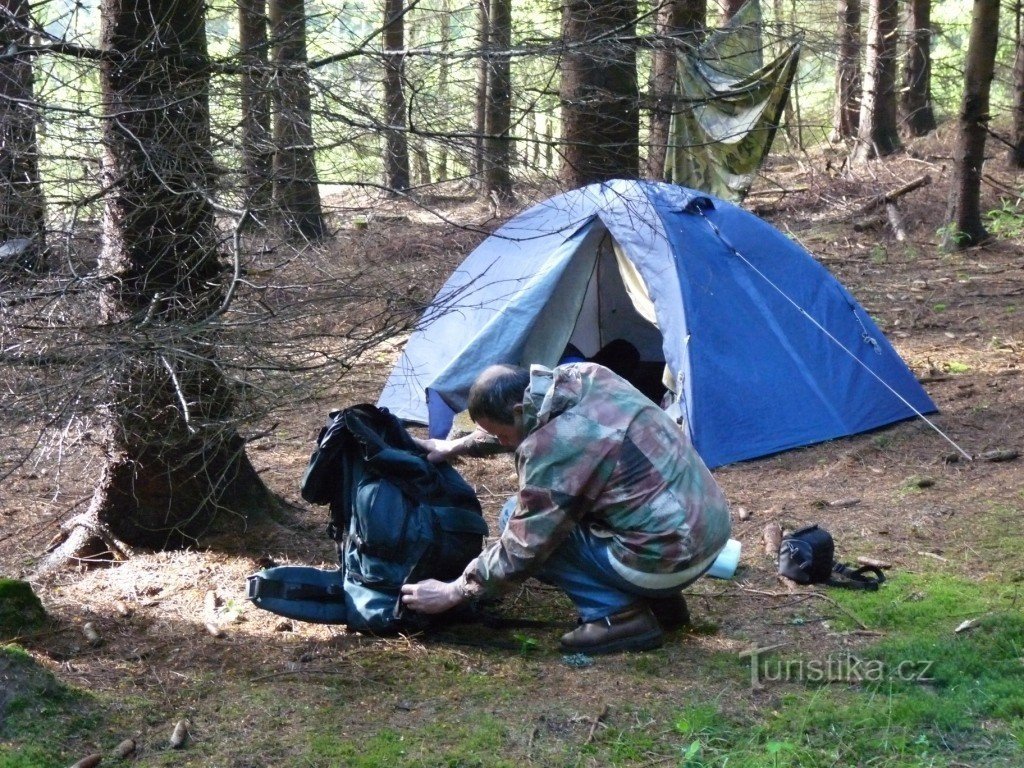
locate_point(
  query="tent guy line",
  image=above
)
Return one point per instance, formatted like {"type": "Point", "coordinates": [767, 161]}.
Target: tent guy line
{"type": "Point", "coordinates": [867, 337]}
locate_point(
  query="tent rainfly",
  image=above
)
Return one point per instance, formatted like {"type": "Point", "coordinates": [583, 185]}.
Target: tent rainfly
{"type": "Point", "coordinates": [759, 348]}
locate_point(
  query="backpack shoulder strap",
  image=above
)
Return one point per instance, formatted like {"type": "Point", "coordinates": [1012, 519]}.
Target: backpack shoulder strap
{"type": "Point", "coordinates": [866, 577]}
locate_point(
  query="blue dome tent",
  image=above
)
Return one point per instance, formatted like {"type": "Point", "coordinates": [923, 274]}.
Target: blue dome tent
{"type": "Point", "coordinates": [761, 349]}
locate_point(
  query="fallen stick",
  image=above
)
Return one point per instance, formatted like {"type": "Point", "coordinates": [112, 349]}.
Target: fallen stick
{"type": "Point", "coordinates": [781, 191]}
{"type": "Point", "coordinates": [896, 194]}
{"type": "Point", "coordinates": [811, 593]}
{"type": "Point", "coordinates": [533, 735]}
{"type": "Point", "coordinates": [1005, 454]}
{"type": "Point", "coordinates": [596, 722]}
{"type": "Point", "coordinates": [892, 213]}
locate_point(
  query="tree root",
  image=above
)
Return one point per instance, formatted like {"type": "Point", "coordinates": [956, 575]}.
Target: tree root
{"type": "Point", "coordinates": [83, 540]}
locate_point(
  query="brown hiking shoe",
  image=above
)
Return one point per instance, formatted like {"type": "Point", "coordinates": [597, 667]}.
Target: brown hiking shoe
{"type": "Point", "coordinates": [633, 629]}
{"type": "Point", "coordinates": [671, 612]}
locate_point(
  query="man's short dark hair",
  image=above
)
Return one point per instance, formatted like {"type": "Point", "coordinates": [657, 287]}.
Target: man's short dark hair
{"type": "Point", "coordinates": [496, 392]}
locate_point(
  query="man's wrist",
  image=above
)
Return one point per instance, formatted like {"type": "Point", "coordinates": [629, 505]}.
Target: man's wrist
{"type": "Point", "coordinates": [463, 590]}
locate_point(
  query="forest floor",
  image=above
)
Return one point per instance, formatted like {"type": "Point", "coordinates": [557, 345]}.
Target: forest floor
{"type": "Point", "coordinates": [896, 684]}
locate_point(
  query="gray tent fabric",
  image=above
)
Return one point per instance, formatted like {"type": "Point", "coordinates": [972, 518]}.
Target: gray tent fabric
{"type": "Point", "coordinates": [727, 107]}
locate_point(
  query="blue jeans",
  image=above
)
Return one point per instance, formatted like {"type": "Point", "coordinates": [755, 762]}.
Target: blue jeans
{"type": "Point", "coordinates": [581, 567]}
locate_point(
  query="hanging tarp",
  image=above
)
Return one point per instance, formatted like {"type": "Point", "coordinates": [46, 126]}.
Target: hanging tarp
{"type": "Point", "coordinates": [727, 106]}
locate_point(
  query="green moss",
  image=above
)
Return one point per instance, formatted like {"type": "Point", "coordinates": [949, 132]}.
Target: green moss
{"type": "Point", "coordinates": [20, 609]}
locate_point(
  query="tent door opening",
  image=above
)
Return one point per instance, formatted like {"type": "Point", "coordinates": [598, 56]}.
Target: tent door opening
{"type": "Point", "coordinates": [600, 302]}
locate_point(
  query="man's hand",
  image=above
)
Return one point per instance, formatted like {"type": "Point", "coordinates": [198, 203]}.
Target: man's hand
{"type": "Point", "coordinates": [431, 596]}
{"type": "Point", "coordinates": [438, 451]}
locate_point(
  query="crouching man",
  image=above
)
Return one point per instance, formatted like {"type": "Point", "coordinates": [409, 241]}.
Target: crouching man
{"type": "Point", "coordinates": [614, 505]}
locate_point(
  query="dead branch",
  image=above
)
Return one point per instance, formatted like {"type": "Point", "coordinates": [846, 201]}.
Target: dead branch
{"type": "Point", "coordinates": [892, 213]}
{"type": "Point", "coordinates": [597, 720]}
{"type": "Point", "coordinates": [894, 195]}
{"type": "Point", "coordinates": [811, 593]}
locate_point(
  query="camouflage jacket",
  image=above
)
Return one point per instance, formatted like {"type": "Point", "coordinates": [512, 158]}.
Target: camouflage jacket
{"type": "Point", "coordinates": [598, 453]}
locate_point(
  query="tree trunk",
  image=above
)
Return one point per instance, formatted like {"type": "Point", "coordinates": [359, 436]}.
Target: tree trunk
{"type": "Point", "coordinates": [598, 93]}
{"type": "Point", "coordinates": [257, 139]}
{"type": "Point", "coordinates": [916, 99]}
{"type": "Point", "coordinates": [531, 155]}
{"type": "Point", "coordinates": [483, 38]}
{"type": "Point", "coordinates": [396, 145]}
{"type": "Point", "coordinates": [794, 122]}
{"type": "Point", "coordinates": [175, 463]}
{"type": "Point", "coordinates": [296, 191]}
{"type": "Point", "coordinates": [878, 131]}
{"type": "Point", "coordinates": [790, 123]}
{"type": "Point", "coordinates": [443, 94]}
{"type": "Point", "coordinates": [730, 8]}
{"type": "Point", "coordinates": [497, 137]}
{"type": "Point", "coordinates": [846, 117]}
{"type": "Point", "coordinates": [1017, 149]}
{"type": "Point", "coordinates": [964, 214]}
{"type": "Point", "coordinates": [678, 23]}
{"type": "Point", "coordinates": [548, 138]}
{"type": "Point", "coordinates": [22, 208]}
{"type": "Point", "coordinates": [421, 161]}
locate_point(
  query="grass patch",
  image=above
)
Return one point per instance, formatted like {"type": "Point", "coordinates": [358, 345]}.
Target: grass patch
{"type": "Point", "coordinates": [926, 695]}
{"type": "Point", "coordinates": [476, 742]}
{"type": "Point", "coordinates": [40, 718]}
{"type": "Point", "coordinates": [819, 726]}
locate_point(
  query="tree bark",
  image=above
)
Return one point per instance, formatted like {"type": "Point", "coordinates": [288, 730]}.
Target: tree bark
{"type": "Point", "coordinates": [964, 213]}
{"type": "Point", "coordinates": [846, 116]}
{"type": "Point", "coordinates": [497, 136]}
{"type": "Point", "coordinates": [678, 23]}
{"type": "Point", "coordinates": [22, 207]}
{"type": "Point", "coordinates": [421, 162]}
{"type": "Point", "coordinates": [483, 39]}
{"type": "Point", "coordinates": [878, 130]}
{"type": "Point", "coordinates": [1017, 140]}
{"type": "Point", "coordinates": [598, 93]}
{"type": "Point", "coordinates": [729, 8]}
{"type": "Point", "coordinates": [176, 466]}
{"type": "Point", "coordinates": [296, 191]}
{"type": "Point", "coordinates": [442, 82]}
{"type": "Point", "coordinates": [396, 144]}
{"type": "Point", "coordinates": [916, 98]}
{"type": "Point", "coordinates": [257, 139]}
{"type": "Point", "coordinates": [791, 122]}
